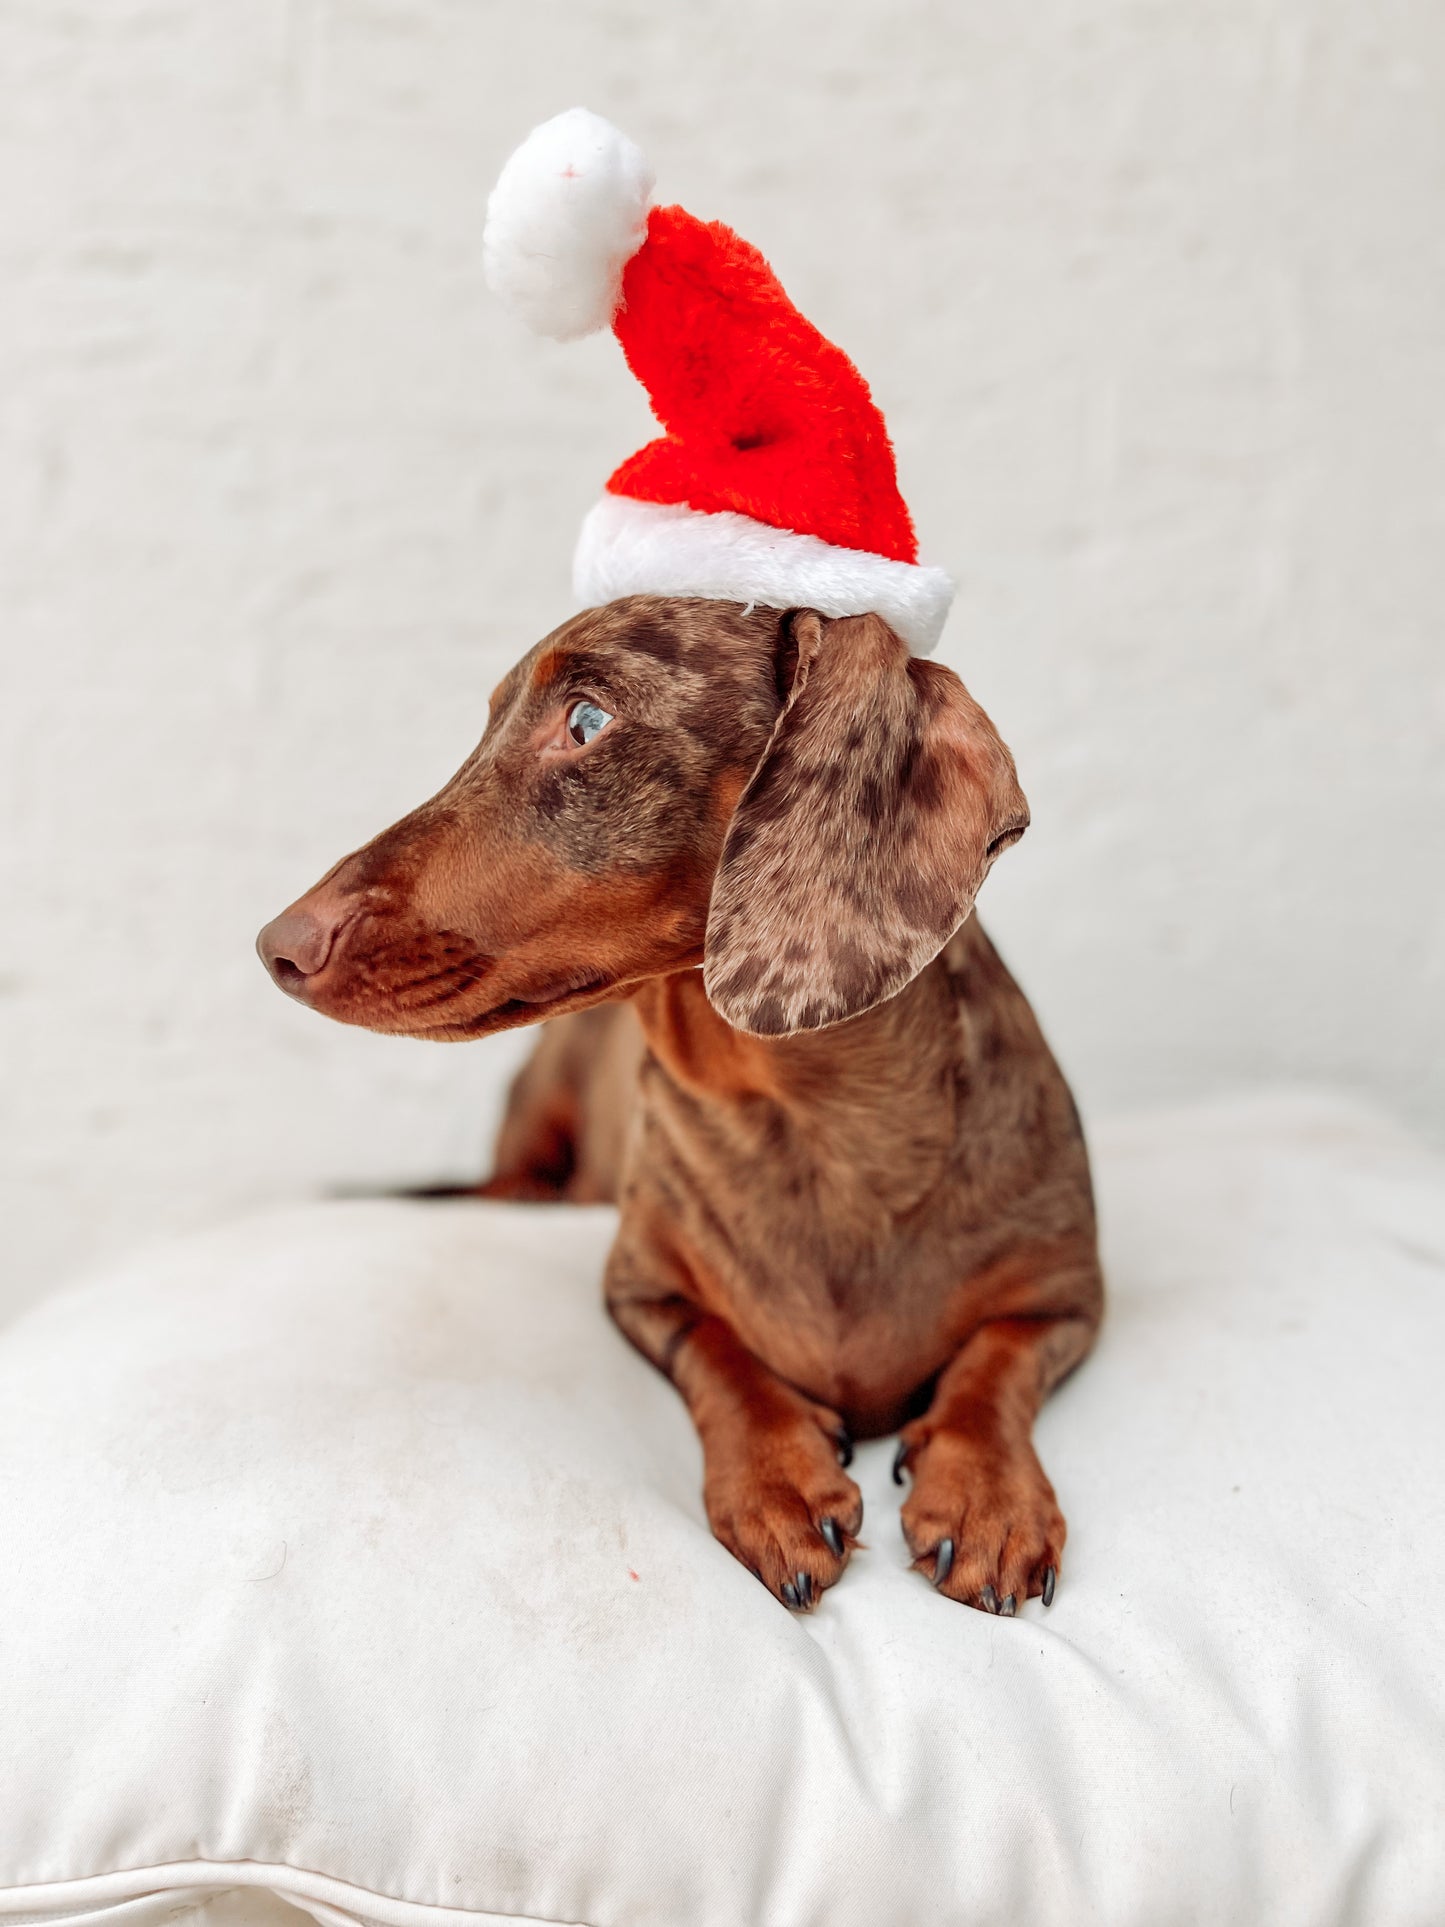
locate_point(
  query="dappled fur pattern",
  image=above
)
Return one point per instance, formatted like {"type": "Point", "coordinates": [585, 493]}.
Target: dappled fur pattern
{"type": "Point", "coordinates": [862, 839]}
{"type": "Point", "coordinates": [854, 1192]}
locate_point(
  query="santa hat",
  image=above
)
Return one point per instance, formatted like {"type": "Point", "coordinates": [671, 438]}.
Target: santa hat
{"type": "Point", "coordinates": [773, 481]}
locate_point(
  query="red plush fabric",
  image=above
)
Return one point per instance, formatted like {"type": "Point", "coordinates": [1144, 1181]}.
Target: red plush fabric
{"type": "Point", "coordinates": [763, 415]}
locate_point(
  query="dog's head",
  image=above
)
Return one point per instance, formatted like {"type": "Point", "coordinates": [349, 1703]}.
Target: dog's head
{"type": "Point", "coordinates": [797, 804]}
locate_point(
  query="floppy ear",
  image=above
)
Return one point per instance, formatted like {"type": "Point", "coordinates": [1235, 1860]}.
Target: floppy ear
{"type": "Point", "coordinates": [858, 847]}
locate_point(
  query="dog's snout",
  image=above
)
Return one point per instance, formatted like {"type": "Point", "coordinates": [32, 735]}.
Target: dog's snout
{"type": "Point", "coordinates": [296, 945]}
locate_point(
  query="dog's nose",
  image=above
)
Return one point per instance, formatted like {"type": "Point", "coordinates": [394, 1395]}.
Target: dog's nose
{"type": "Point", "coordinates": [296, 945]}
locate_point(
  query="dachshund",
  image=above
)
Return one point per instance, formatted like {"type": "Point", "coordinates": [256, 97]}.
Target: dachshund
{"type": "Point", "coordinates": [730, 855]}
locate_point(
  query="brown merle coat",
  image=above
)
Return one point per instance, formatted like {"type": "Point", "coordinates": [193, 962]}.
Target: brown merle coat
{"type": "Point", "coordinates": [854, 1194]}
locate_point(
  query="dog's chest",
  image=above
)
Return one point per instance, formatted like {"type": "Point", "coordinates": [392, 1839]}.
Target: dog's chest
{"type": "Point", "coordinates": [825, 1258]}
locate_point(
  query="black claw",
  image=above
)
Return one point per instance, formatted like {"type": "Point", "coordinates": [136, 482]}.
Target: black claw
{"type": "Point", "coordinates": [943, 1564]}
{"type": "Point", "coordinates": [1049, 1578]}
{"type": "Point", "coordinates": [790, 1595]}
{"type": "Point", "coordinates": [988, 1599]}
{"type": "Point", "coordinates": [829, 1530]}
{"type": "Point", "coordinates": [844, 1444]}
{"type": "Point", "coordinates": [900, 1459]}
{"type": "Point", "coordinates": [1009, 1607]}
{"type": "Point", "coordinates": [804, 1583]}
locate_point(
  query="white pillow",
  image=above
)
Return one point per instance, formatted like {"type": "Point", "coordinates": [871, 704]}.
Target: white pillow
{"type": "Point", "coordinates": [350, 1556]}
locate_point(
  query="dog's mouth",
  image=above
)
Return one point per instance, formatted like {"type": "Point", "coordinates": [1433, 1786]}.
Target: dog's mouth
{"type": "Point", "coordinates": [548, 1003]}
{"type": "Point", "coordinates": [419, 982]}
{"type": "Point", "coordinates": [441, 1003]}
{"type": "Point", "coordinates": [552, 1000]}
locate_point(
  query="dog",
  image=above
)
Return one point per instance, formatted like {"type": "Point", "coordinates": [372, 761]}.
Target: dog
{"type": "Point", "coordinates": [730, 854]}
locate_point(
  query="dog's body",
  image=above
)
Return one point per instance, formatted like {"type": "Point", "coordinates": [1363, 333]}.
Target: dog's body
{"type": "Point", "coordinates": [854, 1192]}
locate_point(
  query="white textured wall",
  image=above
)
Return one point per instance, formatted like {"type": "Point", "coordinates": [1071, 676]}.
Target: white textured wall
{"type": "Point", "coordinates": [1154, 296]}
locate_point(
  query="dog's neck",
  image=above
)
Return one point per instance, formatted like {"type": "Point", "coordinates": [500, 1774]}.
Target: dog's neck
{"type": "Point", "coordinates": [872, 1100]}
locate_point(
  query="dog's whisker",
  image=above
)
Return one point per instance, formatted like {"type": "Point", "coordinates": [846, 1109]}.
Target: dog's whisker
{"type": "Point", "coordinates": [463, 981]}
{"type": "Point", "coordinates": [436, 976]}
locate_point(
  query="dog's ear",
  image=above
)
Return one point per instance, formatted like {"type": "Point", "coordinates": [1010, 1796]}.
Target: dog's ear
{"type": "Point", "coordinates": [857, 849]}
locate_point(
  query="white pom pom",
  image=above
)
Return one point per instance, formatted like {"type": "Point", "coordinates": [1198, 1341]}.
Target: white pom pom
{"type": "Point", "coordinates": [568, 213]}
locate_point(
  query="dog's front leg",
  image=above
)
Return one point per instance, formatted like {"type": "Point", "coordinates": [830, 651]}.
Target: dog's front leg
{"type": "Point", "coordinates": [775, 1493]}
{"type": "Point", "coordinates": [981, 1520]}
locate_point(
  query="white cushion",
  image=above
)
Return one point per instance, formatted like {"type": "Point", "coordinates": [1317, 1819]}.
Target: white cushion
{"type": "Point", "coordinates": [349, 1556]}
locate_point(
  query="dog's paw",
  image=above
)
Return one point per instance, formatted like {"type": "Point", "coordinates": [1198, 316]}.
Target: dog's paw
{"type": "Point", "coordinates": [981, 1520]}
{"type": "Point", "coordinates": [778, 1499]}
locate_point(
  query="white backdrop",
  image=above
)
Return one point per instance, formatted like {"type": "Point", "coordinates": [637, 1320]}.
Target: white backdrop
{"type": "Point", "coordinates": [1154, 298]}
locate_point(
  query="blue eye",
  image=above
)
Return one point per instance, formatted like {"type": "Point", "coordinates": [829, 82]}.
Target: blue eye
{"type": "Point", "coordinates": [585, 720]}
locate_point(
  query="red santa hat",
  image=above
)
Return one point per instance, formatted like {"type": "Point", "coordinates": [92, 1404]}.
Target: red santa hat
{"type": "Point", "coordinates": [774, 480]}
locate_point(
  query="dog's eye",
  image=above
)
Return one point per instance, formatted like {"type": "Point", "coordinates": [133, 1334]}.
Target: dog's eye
{"type": "Point", "coordinates": [585, 720]}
